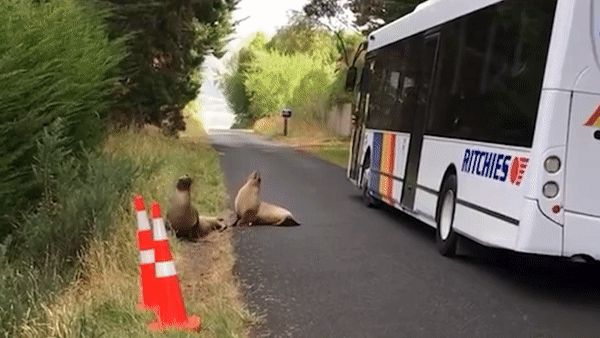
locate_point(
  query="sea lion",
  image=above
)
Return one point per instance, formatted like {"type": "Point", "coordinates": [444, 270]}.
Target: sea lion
{"type": "Point", "coordinates": [271, 214]}
{"type": "Point", "coordinates": [250, 210]}
{"type": "Point", "coordinates": [207, 224]}
{"type": "Point", "coordinates": [247, 200]}
{"type": "Point", "coordinates": [183, 218]}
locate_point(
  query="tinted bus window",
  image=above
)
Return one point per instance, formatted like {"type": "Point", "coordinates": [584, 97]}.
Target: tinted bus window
{"type": "Point", "coordinates": [394, 82]}
{"type": "Point", "coordinates": [492, 66]}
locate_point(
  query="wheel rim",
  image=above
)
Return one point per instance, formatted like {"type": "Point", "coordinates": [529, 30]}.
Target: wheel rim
{"type": "Point", "coordinates": [446, 215]}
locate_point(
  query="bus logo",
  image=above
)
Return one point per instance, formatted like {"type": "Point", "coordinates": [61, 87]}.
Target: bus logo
{"type": "Point", "coordinates": [495, 166]}
{"type": "Point", "coordinates": [517, 170]}
{"type": "Point", "coordinates": [594, 120]}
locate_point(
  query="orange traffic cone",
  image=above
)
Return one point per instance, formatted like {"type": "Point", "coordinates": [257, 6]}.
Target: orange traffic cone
{"type": "Point", "coordinates": [171, 308]}
{"type": "Point", "coordinates": [146, 248]}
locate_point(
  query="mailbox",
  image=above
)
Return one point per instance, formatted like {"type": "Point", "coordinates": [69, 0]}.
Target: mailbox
{"type": "Point", "coordinates": [286, 113]}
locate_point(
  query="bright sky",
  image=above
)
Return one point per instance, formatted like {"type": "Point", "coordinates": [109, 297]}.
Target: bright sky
{"type": "Point", "coordinates": [262, 15]}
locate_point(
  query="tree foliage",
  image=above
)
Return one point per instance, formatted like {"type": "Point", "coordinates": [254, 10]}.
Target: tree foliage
{"type": "Point", "coordinates": [300, 67]}
{"type": "Point", "coordinates": [170, 40]}
{"type": "Point", "coordinates": [233, 81]}
{"type": "Point", "coordinates": [371, 14]}
{"type": "Point", "coordinates": [57, 63]}
{"type": "Point", "coordinates": [368, 14]}
{"type": "Point", "coordinates": [84, 62]}
{"type": "Point", "coordinates": [301, 36]}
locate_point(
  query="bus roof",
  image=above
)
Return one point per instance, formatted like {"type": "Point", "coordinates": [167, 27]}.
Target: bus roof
{"type": "Point", "coordinates": [426, 15]}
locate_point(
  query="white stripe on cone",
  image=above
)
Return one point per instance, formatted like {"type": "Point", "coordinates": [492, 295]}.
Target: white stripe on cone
{"type": "Point", "coordinates": [147, 256]}
{"type": "Point", "coordinates": [142, 220]}
{"type": "Point", "coordinates": [160, 232]}
{"type": "Point", "coordinates": [165, 269]}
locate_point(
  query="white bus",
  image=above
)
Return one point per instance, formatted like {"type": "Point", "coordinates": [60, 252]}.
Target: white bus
{"type": "Point", "coordinates": [481, 118]}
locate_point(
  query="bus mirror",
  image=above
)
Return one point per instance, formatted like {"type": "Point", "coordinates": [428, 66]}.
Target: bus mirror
{"type": "Point", "coordinates": [351, 79]}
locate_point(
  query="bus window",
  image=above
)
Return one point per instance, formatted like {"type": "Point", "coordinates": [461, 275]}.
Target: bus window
{"type": "Point", "coordinates": [492, 65]}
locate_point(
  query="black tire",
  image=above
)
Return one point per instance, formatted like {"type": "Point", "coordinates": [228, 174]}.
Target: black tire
{"type": "Point", "coordinates": [446, 237]}
{"type": "Point", "coordinates": [368, 199]}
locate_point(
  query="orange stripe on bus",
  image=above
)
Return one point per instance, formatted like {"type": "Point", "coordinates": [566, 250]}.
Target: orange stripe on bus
{"type": "Point", "coordinates": [391, 164]}
{"type": "Point", "coordinates": [386, 183]}
{"type": "Point", "coordinates": [594, 119]}
{"type": "Point", "coordinates": [383, 181]}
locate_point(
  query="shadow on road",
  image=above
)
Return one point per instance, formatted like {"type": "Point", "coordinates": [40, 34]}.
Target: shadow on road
{"type": "Point", "coordinates": [553, 278]}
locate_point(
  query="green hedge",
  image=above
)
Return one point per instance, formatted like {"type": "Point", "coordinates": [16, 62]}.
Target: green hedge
{"type": "Point", "coordinates": [56, 60]}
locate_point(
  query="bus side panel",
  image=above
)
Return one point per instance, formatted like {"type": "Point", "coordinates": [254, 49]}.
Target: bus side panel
{"type": "Point", "coordinates": [582, 204]}
{"type": "Point", "coordinates": [583, 156]}
{"type": "Point", "coordinates": [485, 229]}
{"type": "Point", "coordinates": [388, 162]}
{"type": "Point", "coordinates": [582, 234]}
{"type": "Point", "coordinates": [491, 187]}
{"type": "Point", "coordinates": [538, 234]}
{"type": "Point", "coordinates": [550, 140]}
{"type": "Point", "coordinates": [540, 229]}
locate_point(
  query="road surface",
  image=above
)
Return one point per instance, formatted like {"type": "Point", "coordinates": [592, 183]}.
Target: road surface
{"type": "Point", "coordinates": [350, 271]}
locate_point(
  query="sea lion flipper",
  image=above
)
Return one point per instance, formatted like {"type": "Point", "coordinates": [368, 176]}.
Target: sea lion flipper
{"type": "Point", "coordinates": [232, 220]}
{"type": "Point", "coordinates": [290, 221]}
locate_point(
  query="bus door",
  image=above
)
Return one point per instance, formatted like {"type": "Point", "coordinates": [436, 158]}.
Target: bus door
{"type": "Point", "coordinates": [428, 61]}
{"type": "Point", "coordinates": [358, 119]}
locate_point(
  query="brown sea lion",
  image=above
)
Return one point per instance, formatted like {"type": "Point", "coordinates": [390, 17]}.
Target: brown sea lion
{"type": "Point", "coordinates": [250, 210]}
{"type": "Point", "coordinates": [183, 218]}
{"type": "Point", "coordinates": [271, 214]}
{"type": "Point", "coordinates": [208, 224]}
{"type": "Point", "coordinates": [247, 200]}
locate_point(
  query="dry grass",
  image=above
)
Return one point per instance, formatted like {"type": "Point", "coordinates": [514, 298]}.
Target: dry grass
{"type": "Point", "coordinates": [309, 136]}
{"type": "Point", "coordinates": [104, 303]}
{"type": "Point", "coordinates": [300, 131]}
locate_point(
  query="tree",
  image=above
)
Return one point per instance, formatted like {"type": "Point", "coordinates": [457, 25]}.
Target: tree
{"type": "Point", "coordinates": [233, 80]}
{"type": "Point", "coordinates": [301, 36]}
{"type": "Point", "coordinates": [368, 14]}
{"type": "Point", "coordinates": [371, 14]}
{"type": "Point", "coordinates": [169, 41]}
{"type": "Point", "coordinates": [332, 14]}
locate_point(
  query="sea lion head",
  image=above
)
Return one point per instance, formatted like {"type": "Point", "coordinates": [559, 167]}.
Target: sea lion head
{"type": "Point", "coordinates": [254, 178]}
{"type": "Point", "coordinates": [184, 183]}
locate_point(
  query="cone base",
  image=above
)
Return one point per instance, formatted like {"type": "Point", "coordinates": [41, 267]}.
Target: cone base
{"type": "Point", "coordinates": [191, 324]}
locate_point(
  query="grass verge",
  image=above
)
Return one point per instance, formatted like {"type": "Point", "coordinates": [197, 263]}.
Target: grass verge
{"type": "Point", "coordinates": [334, 152]}
{"type": "Point", "coordinates": [307, 136]}
{"type": "Point", "coordinates": [102, 301]}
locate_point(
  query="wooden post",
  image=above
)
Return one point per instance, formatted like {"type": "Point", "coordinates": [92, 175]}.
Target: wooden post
{"type": "Point", "coordinates": [286, 113]}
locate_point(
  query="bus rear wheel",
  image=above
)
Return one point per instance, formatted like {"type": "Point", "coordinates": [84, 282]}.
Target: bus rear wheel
{"type": "Point", "coordinates": [446, 237]}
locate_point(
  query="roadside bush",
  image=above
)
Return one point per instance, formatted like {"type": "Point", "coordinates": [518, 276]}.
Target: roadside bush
{"type": "Point", "coordinates": [311, 97]}
{"type": "Point", "coordinates": [56, 61]}
{"type": "Point", "coordinates": [80, 201]}
{"type": "Point", "coordinates": [276, 80]}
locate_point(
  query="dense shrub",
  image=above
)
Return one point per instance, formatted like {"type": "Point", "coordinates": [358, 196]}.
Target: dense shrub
{"type": "Point", "coordinates": [80, 201]}
{"type": "Point", "coordinates": [56, 61]}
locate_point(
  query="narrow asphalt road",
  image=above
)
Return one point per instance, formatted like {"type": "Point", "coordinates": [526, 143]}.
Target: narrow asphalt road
{"type": "Point", "coordinates": [350, 271]}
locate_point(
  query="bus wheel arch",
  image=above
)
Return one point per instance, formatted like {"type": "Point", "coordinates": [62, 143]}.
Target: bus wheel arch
{"type": "Point", "coordinates": [366, 160]}
{"type": "Point", "coordinates": [446, 237]}
{"type": "Point", "coordinates": [367, 198]}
